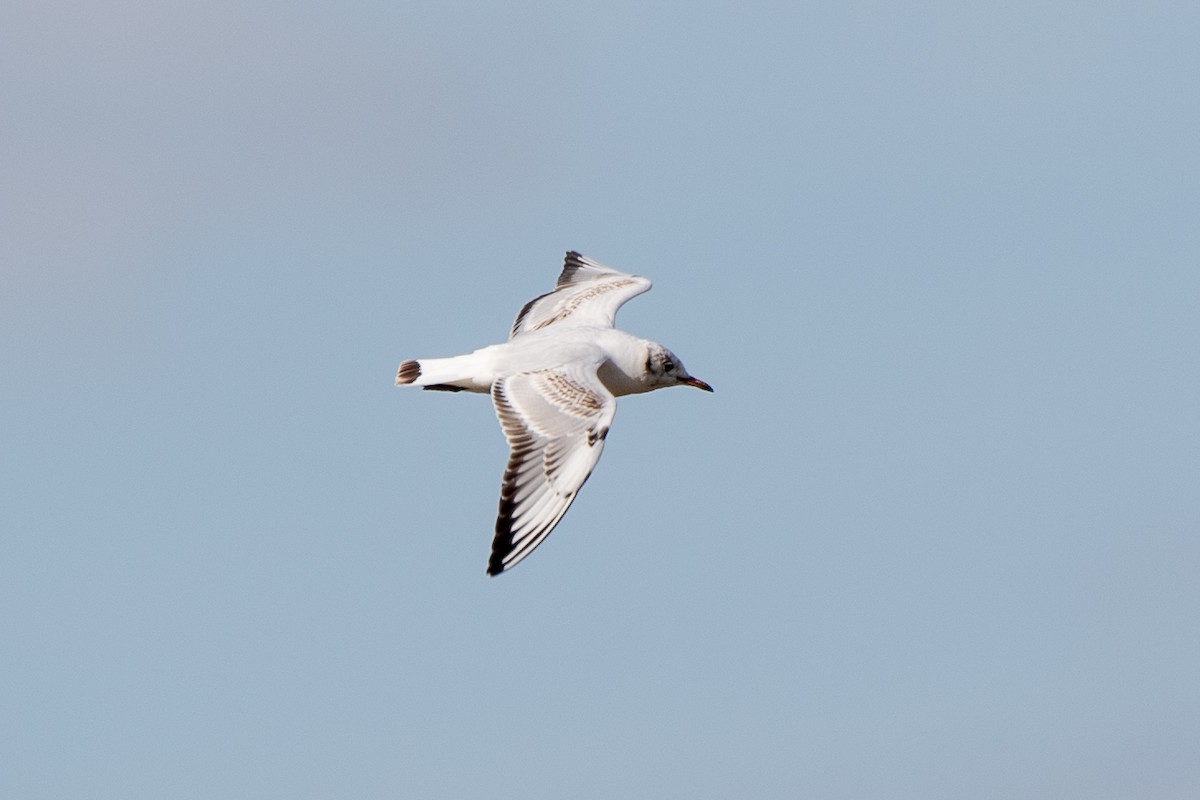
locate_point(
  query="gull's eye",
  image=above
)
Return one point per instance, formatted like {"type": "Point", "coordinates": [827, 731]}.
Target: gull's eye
{"type": "Point", "coordinates": [668, 365]}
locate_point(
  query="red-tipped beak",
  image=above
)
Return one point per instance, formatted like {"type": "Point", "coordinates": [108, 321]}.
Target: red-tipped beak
{"type": "Point", "coordinates": [699, 384]}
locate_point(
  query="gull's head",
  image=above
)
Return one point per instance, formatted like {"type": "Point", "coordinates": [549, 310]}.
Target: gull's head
{"type": "Point", "coordinates": [663, 368]}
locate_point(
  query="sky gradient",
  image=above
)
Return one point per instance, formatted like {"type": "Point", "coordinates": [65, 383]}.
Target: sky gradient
{"type": "Point", "coordinates": [935, 535]}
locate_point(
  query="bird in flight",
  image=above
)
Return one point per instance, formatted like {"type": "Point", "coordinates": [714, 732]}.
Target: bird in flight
{"type": "Point", "coordinates": [554, 385]}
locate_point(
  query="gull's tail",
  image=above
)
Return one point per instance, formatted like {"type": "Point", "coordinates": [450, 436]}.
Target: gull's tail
{"type": "Point", "coordinates": [437, 374]}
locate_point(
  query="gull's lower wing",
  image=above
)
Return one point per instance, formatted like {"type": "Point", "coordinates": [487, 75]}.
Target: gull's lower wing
{"type": "Point", "coordinates": [555, 421]}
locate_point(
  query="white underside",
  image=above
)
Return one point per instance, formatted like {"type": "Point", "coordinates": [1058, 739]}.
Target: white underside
{"type": "Point", "coordinates": [617, 356]}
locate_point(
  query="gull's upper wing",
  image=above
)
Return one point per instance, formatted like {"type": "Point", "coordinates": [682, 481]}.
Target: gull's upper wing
{"type": "Point", "coordinates": [555, 421]}
{"type": "Point", "coordinates": [587, 293]}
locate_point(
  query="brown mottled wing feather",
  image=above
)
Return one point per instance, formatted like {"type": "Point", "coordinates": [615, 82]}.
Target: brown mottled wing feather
{"type": "Point", "coordinates": [555, 422]}
{"type": "Point", "coordinates": [587, 293]}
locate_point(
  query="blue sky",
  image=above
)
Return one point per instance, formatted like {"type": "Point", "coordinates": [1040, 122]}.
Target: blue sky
{"type": "Point", "coordinates": [934, 535]}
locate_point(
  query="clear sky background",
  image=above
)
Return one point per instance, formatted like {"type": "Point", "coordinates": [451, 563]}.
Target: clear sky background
{"type": "Point", "coordinates": [936, 534]}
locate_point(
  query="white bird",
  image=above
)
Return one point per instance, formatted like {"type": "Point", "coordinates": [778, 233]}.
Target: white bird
{"type": "Point", "coordinates": [554, 384]}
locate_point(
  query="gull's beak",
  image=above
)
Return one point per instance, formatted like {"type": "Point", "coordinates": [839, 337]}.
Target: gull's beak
{"type": "Point", "coordinates": [699, 384]}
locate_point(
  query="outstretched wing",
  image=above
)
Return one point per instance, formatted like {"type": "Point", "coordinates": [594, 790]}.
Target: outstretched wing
{"type": "Point", "coordinates": [587, 293]}
{"type": "Point", "coordinates": [555, 421]}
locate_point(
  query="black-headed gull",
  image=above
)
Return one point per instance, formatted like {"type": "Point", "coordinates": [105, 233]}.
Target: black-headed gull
{"type": "Point", "coordinates": [554, 384]}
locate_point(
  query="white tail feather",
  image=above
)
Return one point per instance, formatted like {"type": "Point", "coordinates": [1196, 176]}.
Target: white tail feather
{"type": "Point", "coordinates": [440, 373]}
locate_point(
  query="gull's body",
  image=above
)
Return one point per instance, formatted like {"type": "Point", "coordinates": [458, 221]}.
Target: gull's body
{"type": "Point", "coordinates": [619, 359]}
{"type": "Point", "coordinates": [554, 385]}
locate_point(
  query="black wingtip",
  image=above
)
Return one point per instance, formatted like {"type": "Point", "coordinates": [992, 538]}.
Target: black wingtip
{"type": "Point", "coordinates": [495, 563]}
{"type": "Point", "coordinates": [572, 263]}
{"type": "Point", "coordinates": [502, 540]}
